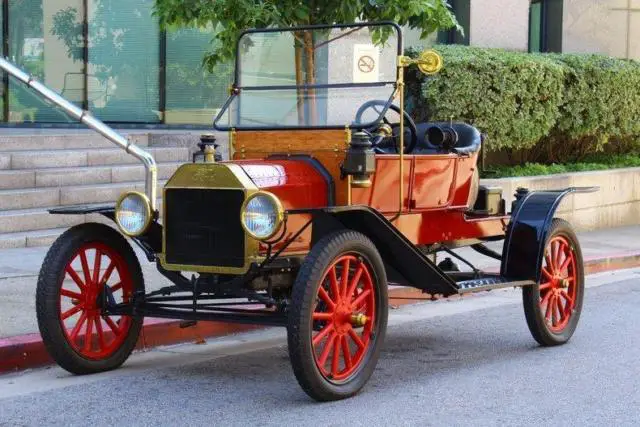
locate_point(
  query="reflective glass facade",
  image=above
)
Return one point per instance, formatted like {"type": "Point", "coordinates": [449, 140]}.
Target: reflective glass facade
{"type": "Point", "coordinates": [110, 57]}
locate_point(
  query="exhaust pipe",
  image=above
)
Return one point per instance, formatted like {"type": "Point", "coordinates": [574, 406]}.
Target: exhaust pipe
{"type": "Point", "coordinates": [151, 176]}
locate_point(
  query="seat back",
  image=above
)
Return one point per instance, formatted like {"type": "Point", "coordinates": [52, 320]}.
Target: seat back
{"type": "Point", "coordinates": [469, 139]}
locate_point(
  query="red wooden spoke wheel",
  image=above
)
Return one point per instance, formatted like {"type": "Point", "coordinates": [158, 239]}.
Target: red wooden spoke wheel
{"type": "Point", "coordinates": [86, 267]}
{"type": "Point", "coordinates": [91, 333]}
{"type": "Point", "coordinates": [338, 316]}
{"type": "Point", "coordinates": [558, 283]}
{"type": "Point", "coordinates": [345, 315]}
{"type": "Point", "coordinates": [553, 307]}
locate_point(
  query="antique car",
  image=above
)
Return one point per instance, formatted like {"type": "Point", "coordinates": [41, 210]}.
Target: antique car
{"type": "Point", "coordinates": [331, 193]}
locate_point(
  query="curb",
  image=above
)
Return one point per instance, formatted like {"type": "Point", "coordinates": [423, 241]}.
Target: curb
{"type": "Point", "coordinates": [27, 351]}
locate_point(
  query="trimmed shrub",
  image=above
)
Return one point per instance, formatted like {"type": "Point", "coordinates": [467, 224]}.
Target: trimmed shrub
{"type": "Point", "coordinates": [539, 106]}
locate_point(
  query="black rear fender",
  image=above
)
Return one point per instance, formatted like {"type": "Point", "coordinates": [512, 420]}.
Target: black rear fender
{"type": "Point", "coordinates": [527, 234]}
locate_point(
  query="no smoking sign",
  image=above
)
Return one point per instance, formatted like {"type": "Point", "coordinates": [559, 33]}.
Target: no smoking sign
{"type": "Point", "coordinates": [365, 63]}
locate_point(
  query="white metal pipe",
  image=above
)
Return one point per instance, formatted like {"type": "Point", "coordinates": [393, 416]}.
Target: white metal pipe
{"type": "Point", "coordinates": [151, 176]}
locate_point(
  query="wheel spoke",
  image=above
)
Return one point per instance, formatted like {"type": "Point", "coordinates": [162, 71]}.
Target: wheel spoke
{"type": "Point", "coordinates": [116, 287]}
{"type": "Point", "coordinates": [76, 328]}
{"type": "Point", "coordinates": [568, 299]}
{"type": "Point", "coordinates": [72, 273]}
{"type": "Point", "coordinates": [322, 316]}
{"type": "Point", "coordinates": [327, 349]}
{"type": "Point", "coordinates": [96, 266]}
{"type": "Point", "coordinates": [346, 353]}
{"type": "Point", "coordinates": [70, 294]}
{"type": "Point", "coordinates": [547, 314]}
{"type": "Point", "coordinates": [558, 308]}
{"type": "Point", "coordinates": [547, 258]}
{"type": "Point", "coordinates": [556, 256]}
{"type": "Point", "coordinates": [344, 280]}
{"type": "Point", "coordinates": [85, 267]}
{"type": "Point", "coordinates": [112, 325]}
{"type": "Point", "coordinates": [547, 274]}
{"type": "Point", "coordinates": [355, 281]}
{"type": "Point", "coordinates": [323, 333]}
{"type": "Point", "coordinates": [71, 311]}
{"type": "Point", "coordinates": [546, 298]}
{"type": "Point", "coordinates": [88, 334]}
{"type": "Point", "coordinates": [544, 286]}
{"type": "Point", "coordinates": [108, 272]}
{"type": "Point", "coordinates": [101, 343]}
{"type": "Point", "coordinates": [335, 362]}
{"type": "Point", "coordinates": [334, 284]}
{"type": "Point", "coordinates": [360, 299]}
{"type": "Point", "coordinates": [356, 339]}
{"type": "Point", "coordinates": [565, 264]}
{"type": "Point", "coordinates": [322, 293]}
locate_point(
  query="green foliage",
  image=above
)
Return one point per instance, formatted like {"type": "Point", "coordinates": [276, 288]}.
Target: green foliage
{"type": "Point", "coordinates": [231, 17]}
{"type": "Point", "coordinates": [601, 100]}
{"type": "Point", "coordinates": [535, 107]}
{"type": "Point", "coordinates": [591, 163]}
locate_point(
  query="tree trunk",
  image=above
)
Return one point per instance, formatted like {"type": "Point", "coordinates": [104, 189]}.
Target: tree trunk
{"type": "Point", "coordinates": [299, 81]}
{"type": "Point", "coordinates": [311, 77]}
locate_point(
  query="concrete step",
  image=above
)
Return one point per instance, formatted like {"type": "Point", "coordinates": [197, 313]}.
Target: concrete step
{"type": "Point", "coordinates": [48, 226]}
{"type": "Point", "coordinates": [57, 177]}
{"type": "Point", "coordinates": [64, 141]}
{"type": "Point", "coordinates": [21, 160]}
{"type": "Point", "coordinates": [30, 238]}
{"type": "Point", "coordinates": [65, 196]}
{"type": "Point", "coordinates": [22, 220]}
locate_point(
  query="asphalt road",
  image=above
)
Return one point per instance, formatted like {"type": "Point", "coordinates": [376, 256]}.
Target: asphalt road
{"type": "Point", "coordinates": [467, 362]}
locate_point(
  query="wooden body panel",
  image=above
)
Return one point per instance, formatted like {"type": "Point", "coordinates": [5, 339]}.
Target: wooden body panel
{"type": "Point", "coordinates": [436, 186]}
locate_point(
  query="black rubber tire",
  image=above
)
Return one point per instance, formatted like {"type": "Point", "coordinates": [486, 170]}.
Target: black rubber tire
{"type": "Point", "coordinates": [531, 294]}
{"type": "Point", "coordinates": [304, 295]}
{"type": "Point", "coordinates": [48, 297]}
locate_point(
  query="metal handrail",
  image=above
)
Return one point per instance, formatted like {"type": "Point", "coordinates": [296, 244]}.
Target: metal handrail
{"type": "Point", "coordinates": [85, 117]}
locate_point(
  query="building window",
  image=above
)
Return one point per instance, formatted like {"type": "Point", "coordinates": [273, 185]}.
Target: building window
{"type": "Point", "coordinates": [110, 57]}
{"type": "Point", "coordinates": [462, 10]}
{"type": "Point", "coordinates": [545, 26]}
{"type": "Point", "coordinates": [193, 95]}
{"type": "Point", "coordinates": [124, 61]}
{"type": "Point", "coordinates": [34, 47]}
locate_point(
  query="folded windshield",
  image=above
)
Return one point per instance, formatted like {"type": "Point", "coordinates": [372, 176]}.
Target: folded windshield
{"type": "Point", "coordinates": [312, 77]}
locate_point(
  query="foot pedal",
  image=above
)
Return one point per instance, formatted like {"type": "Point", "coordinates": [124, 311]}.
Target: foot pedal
{"type": "Point", "coordinates": [188, 324]}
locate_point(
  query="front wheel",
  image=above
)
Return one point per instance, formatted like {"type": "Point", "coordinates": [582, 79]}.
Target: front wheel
{"type": "Point", "coordinates": [553, 306]}
{"type": "Point", "coordinates": [338, 316]}
{"type": "Point", "coordinates": [88, 265]}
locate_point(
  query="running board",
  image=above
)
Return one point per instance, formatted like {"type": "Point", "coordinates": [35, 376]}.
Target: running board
{"type": "Point", "coordinates": [489, 283]}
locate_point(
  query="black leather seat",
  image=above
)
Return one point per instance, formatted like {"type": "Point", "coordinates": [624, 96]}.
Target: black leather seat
{"type": "Point", "coordinates": [469, 139]}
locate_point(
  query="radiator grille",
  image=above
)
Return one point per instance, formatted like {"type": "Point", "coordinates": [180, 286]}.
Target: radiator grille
{"type": "Point", "coordinates": [202, 227]}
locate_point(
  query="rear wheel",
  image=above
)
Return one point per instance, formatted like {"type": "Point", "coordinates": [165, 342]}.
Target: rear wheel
{"type": "Point", "coordinates": [338, 316]}
{"type": "Point", "coordinates": [553, 306]}
{"type": "Point", "coordinates": [88, 265]}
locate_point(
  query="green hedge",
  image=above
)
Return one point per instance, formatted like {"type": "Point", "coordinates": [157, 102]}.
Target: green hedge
{"type": "Point", "coordinates": [546, 107]}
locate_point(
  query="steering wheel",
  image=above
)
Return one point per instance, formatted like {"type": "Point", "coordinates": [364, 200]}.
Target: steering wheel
{"type": "Point", "coordinates": [382, 142]}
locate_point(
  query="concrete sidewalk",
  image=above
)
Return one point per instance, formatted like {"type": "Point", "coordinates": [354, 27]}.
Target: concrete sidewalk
{"type": "Point", "coordinates": [19, 270]}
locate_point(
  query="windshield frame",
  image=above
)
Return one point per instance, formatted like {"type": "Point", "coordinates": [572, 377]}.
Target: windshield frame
{"type": "Point", "coordinates": [236, 89]}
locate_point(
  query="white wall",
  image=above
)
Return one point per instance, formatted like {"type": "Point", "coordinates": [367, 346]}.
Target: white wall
{"type": "Point", "coordinates": [602, 26]}
{"type": "Point", "coordinates": [500, 23]}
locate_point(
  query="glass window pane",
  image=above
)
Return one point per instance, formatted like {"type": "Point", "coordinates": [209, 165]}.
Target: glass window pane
{"type": "Point", "coordinates": [45, 39]}
{"type": "Point", "coordinates": [535, 27]}
{"type": "Point", "coordinates": [124, 44]}
{"type": "Point", "coordinates": [194, 95]}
